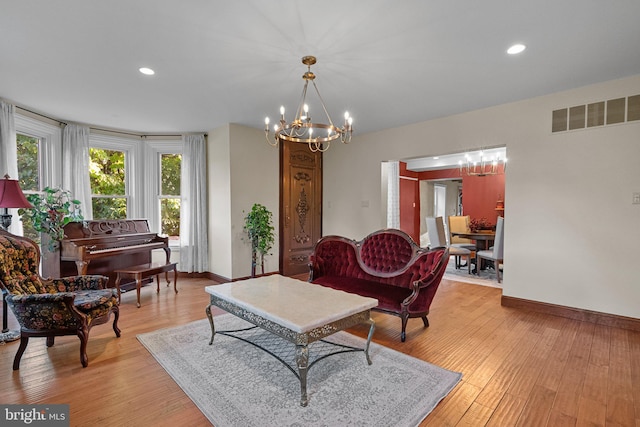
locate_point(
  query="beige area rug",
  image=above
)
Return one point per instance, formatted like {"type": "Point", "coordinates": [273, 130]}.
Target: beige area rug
{"type": "Point", "coordinates": [235, 383]}
{"type": "Point", "coordinates": [485, 278]}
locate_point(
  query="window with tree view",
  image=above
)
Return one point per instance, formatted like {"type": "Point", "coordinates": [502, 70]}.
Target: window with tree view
{"type": "Point", "coordinates": [108, 189]}
{"type": "Point", "coordinates": [170, 194]}
{"type": "Point", "coordinates": [29, 172]}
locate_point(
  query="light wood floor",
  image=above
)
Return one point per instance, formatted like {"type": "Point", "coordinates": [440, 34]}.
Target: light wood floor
{"type": "Point", "coordinates": [519, 368]}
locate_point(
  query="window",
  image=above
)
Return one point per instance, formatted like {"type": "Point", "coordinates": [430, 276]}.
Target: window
{"type": "Point", "coordinates": [29, 174]}
{"type": "Point", "coordinates": [28, 163]}
{"type": "Point", "coordinates": [108, 189]}
{"type": "Point", "coordinates": [169, 198]}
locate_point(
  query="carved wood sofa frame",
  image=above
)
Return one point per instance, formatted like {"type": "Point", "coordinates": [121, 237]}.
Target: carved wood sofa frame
{"type": "Point", "coordinates": [387, 265]}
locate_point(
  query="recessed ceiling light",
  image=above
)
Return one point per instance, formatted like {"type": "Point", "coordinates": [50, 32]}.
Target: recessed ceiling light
{"type": "Point", "coordinates": [516, 48]}
{"type": "Point", "coordinates": [147, 71]}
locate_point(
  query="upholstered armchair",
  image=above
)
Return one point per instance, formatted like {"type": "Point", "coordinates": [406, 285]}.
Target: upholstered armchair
{"type": "Point", "coordinates": [51, 307]}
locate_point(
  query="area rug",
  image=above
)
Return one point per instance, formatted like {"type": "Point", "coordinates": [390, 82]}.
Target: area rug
{"type": "Point", "coordinates": [237, 384]}
{"type": "Point", "coordinates": [485, 278]}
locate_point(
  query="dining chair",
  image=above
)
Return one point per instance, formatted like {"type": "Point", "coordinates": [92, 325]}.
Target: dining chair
{"type": "Point", "coordinates": [460, 224]}
{"type": "Point", "coordinates": [495, 254]}
{"type": "Point", "coordinates": [437, 238]}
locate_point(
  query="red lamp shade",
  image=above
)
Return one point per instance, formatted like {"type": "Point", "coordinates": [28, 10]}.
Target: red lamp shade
{"type": "Point", "coordinates": [11, 195]}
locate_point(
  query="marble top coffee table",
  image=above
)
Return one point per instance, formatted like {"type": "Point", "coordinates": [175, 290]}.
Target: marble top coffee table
{"type": "Point", "coordinates": [297, 311]}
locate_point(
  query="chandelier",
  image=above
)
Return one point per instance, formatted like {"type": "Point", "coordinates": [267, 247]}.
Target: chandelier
{"type": "Point", "coordinates": [485, 166]}
{"type": "Point", "coordinates": [302, 129]}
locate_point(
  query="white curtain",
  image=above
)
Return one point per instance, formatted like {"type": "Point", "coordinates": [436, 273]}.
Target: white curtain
{"type": "Point", "coordinates": [9, 155]}
{"type": "Point", "coordinates": [8, 148]}
{"type": "Point", "coordinates": [393, 194]}
{"type": "Point", "coordinates": [194, 247]}
{"type": "Point", "coordinates": [75, 166]}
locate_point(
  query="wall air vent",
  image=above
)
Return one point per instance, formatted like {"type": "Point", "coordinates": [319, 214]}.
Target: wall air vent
{"type": "Point", "coordinates": [601, 113]}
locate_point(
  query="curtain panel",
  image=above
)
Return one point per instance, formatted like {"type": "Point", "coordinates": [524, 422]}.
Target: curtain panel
{"type": "Point", "coordinates": [8, 147]}
{"type": "Point", "coordinates": [393, 194]}
{"type": "Point", "coordinates": [75, 166]}
{"type": "Point", "coordinates": [194, 247]}
{"type": "Point", "coordinates": [9, 155]}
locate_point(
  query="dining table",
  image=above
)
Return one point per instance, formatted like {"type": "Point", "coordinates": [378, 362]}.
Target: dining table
{"type": "Point", "coordinates": [483, 238]}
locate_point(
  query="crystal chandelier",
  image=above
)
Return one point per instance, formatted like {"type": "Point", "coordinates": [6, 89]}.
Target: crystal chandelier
{"type": "Point", "coordinates": [302, 129]}
{"type": "Point", "coordinates": [485, 166]}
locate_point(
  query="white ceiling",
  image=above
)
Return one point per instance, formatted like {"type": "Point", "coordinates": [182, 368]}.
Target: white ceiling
{"type": "Point", "coordinates": [389, 62]}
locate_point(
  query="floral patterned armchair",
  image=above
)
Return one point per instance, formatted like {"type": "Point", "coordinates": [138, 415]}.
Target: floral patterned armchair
{"type": "Point", "coordinates": [50, 308]}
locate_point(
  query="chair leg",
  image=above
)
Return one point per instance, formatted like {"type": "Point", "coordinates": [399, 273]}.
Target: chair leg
{"type": "Point", "coordinates": [83, 334]}
{"type": "Point", "coordinates": [425, 321]}
{"type": "Point", "coordinates": [116, 316]}
{"type": "Point", "coordinates": [497, 264]}
{"type": "Point", "coordinates": [403, 334]}
{"type": "Point", "coordinates": [23, 346]}
{"type": "Point", "coordinates": [50, 341]}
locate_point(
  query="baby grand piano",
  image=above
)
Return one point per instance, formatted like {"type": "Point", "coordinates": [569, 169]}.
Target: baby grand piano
{"type": "Point", "coordinates": [102, 246]}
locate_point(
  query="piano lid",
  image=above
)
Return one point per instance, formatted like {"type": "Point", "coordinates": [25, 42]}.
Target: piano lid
{"type": "Point", "coordinates": [105, 227]}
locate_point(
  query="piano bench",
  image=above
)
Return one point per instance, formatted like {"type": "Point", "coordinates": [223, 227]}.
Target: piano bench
{"type": "Point", "coordinates": [143, 271]}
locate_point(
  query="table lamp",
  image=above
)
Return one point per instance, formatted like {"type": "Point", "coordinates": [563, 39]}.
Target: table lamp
{"type": "Point", "coordinates": [11, 196]}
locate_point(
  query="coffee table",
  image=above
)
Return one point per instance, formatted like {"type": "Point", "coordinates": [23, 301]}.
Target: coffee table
{"type": "Point", "coordinates": [297, 311]}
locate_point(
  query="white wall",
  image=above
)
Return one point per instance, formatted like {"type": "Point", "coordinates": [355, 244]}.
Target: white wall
{"type": "Point", "coordinates": [255, 171]}
{"type": "Point", "coordinates": [571, 231]}
{"type": "Point", "coordinates": [242, 169]}
{"type": "Point", "coordinates": [219, 188]}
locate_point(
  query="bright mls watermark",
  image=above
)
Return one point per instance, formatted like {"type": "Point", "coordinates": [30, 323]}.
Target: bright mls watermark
{"type": "Point", "coordinates": [34, 415]}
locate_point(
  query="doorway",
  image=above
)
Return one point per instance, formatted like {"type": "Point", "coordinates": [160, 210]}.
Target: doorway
{"type": "Point", "coordinates": [439, 200]}
{"type": "Point", "coordinates": [300, 206]}
{"type": "Point", "coordinates": [475, 194]}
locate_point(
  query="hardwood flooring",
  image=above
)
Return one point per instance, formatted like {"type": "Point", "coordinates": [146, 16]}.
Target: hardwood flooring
{"type": "Point", "coordinates": [519, 368]}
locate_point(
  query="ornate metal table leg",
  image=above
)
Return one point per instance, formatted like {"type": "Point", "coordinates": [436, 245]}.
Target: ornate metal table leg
{"type": "Point", "coordinates": [366, 348]}
{"type": "Point", "coordinates": [213, 329]}
{"type": "Point", "coordinates": [302, 360]}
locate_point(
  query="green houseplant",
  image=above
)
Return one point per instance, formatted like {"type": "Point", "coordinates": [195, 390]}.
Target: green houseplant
{"type": "Point", "coordinates": [260, 231]}
{"type": "Point", "coordinates": [52, 210]}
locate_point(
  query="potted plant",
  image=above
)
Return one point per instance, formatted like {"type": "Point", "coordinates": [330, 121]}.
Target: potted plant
{"type": "Point", "coordinates": [52, 210]}
{"type": "Point", "coordinates": [260, 231]}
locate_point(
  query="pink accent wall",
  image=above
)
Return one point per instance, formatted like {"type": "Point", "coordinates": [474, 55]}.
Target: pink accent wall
{"type": "Point", "coordinates": [409, 203]}
{"type": "Point", "coordinates": [479, 193]}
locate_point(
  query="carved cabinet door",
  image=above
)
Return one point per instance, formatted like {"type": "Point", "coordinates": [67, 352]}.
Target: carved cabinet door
{"type": "Point", "coordinates": [300, 206]}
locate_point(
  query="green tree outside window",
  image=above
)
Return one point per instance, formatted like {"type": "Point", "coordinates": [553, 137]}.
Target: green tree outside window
{"type": "Point", "coordinates": [107, 178]}
{"type": "Point", "coordinates": [170, 169]}
{"type": "Point", "coordinates": [28, 149]}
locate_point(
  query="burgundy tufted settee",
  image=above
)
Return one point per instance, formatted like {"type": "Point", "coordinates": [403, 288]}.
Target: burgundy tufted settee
{"type": "Point", "coordinates": [386, 265]}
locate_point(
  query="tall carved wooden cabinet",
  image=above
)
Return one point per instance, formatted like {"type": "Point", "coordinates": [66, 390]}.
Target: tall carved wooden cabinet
{"type": "Point", "coordinates": [300, 205]}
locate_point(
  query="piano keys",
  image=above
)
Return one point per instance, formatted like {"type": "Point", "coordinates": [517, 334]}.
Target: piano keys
{"type": "Point", "coordinates": [103, 246]}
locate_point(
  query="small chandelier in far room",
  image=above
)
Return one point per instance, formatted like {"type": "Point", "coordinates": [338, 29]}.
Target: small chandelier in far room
{"type": "Point", "coordinates": [302, 129]}
{"type": "Point", "coordinates": [484, 166]}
